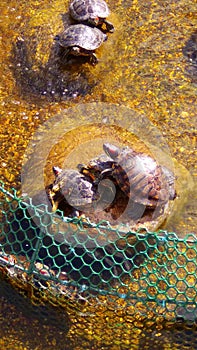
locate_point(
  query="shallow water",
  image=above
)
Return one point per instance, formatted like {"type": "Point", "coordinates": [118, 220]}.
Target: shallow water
{"type": "Point", "coordinates": [141, 67]}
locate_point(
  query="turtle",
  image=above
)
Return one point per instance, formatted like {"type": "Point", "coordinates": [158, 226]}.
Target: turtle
{"type": "Point", "coordinates": [91, 12]}
{"type": "Point", "coordinates": [71, 188]}
{"type": "Point", "coordinates": [106, 184]}
{"type": "Point", "coordinates": [95, 167]}
{"type": "Point", "coordinates": [81, 40]}
{"type": "Point", "coordinates": [139, 176]}
{"type": "Point", "coordinates": [105, 188]}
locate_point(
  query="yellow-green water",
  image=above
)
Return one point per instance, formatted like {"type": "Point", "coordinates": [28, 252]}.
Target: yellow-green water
{"type": "Point", "coordinates": [142, 67]}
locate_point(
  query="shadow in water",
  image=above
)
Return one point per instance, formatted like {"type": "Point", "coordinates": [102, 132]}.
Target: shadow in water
{"type": "Point", "coordinates": [190, 52]}
{"type": "Point", "coordinates": [54, 81]}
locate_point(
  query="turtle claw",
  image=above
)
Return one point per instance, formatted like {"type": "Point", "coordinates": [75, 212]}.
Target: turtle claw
{"type": "Point", "coordinates": [109, 26]}
{"type": "Point", "coordinates": [93, 60]}
{"type": "Point", "coordinates": [75, 213]}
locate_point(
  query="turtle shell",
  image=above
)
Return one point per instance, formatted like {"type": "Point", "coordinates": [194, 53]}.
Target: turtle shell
{"type": "Point", "coordinates": [82, 36]}
{"type": "Point", "coordinates": [140, 177]}
{"type": "Point", "coordinates": [83, 10]}
{"type": "Point", "coordinates": [73, 187]}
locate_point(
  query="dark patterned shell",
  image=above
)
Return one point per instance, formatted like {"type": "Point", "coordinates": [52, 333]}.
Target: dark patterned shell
{"type": "Point", "coordinates": [73, 187]}
{"type": "Point", "coordinates": [82, 36]}
{"type": "Point", "coordinates": [83, 10]}
{"type": "Point", "coordinates": [140, 177]}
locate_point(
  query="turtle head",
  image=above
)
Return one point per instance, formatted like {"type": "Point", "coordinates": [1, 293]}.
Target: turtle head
{"type": "Point", "coordinates": [111, 150]}
{"type": "Point", "coordinates": [57, 38]}
{"type": "Point", "coordinates": [94, 20]}
{"type": "Point", "coordinates": [81, 167]}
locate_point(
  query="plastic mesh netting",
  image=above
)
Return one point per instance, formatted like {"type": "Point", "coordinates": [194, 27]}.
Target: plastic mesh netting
{"type": "Point", "coordinates": [63, 259]}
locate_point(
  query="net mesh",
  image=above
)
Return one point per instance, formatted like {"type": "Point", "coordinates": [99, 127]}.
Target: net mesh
{"type": "Point", "coordinates": [68, 260]}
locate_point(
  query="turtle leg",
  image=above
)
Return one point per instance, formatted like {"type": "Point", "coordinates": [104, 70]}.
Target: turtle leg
{"type": "Point", "coordinates": [75, 50]}
{"type": "Point", "coordinates": [63, 51]}
{"type": "Point", "coordinates": [109, 26]}
{"type": "Point", "coordinates": [75, 213]}
{"type": "Point", "coordinates": [93, 59]}
{"type": "Point", "coordinates": [91, 175]}
{"type": "Point", "coordinates": [64, 54]}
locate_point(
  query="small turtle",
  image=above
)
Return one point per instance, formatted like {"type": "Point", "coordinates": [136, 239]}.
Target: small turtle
{"type": "Point", "coordinates": [81, 40]}
{"type": "Point", "coordinates": [92, 12]}
{"type": "Point", "coordinates": [139, 176]}
{"type": "Point", "coordinates": [95, 167]}
{"type": "Point", "coordinates": [73, 188]}
{"type": "Point", "coordinates": [105, 188]}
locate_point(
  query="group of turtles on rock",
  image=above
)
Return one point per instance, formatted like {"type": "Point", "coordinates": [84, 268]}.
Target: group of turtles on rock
{"type": "Point", "coordinates": [120, 182]}
{"type": "Point", "coordinates": [83, 38]}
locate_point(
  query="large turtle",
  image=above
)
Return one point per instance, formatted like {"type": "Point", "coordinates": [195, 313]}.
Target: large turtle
{"type": "Point", "coordinates": [92, 12]}
{"type": "Point", "coordinates": [81, 40]}
{"type": "Point", "coordinates": [73, 189]}
{"type": "Point", "coordinates": [139, 176]}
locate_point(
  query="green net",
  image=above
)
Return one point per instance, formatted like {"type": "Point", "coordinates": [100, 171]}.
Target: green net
{"type": "Point", "coordinates": [64, 260]}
